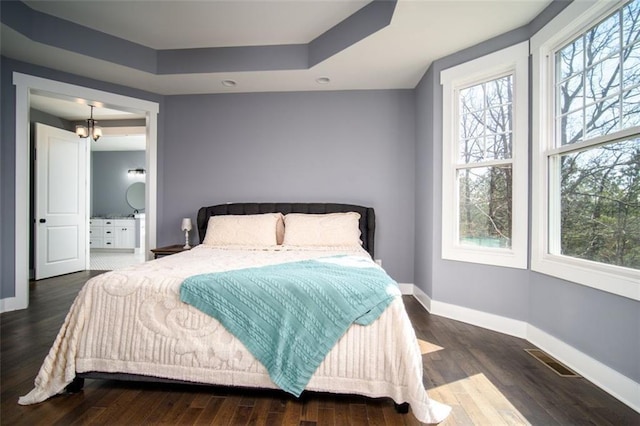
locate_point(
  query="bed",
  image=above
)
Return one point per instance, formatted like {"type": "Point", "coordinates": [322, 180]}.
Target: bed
{"type": "Point", "coordinates": [131, 324]}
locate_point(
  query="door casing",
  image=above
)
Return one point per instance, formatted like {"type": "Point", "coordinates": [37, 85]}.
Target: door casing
{"type": "Point", "coordinates": [25, 85]}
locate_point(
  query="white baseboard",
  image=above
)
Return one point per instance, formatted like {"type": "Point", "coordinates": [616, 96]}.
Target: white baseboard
{"type": "Point", "coordinates": [11, 304]}
{"type": "Point", "coordinates": [422, 297]}
{"type": "Point", "coordinates": [471, 316]}
{"type": "Point", "coordinates": [406, 288]}
{"type": "Point", "coordinates": [617, 385]}
{"type": "Point", "coordinates": [486, 320]}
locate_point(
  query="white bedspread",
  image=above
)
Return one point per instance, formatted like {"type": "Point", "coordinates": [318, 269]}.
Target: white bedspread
{"type": "Point", "coordinates": [132, 321]}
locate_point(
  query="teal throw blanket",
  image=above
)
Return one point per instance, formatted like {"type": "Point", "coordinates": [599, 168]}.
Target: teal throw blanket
{"type": "Point", "coordinates": [290, 315]}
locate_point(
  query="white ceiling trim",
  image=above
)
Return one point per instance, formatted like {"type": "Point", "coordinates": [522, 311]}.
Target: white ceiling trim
{"type": "Point", "coordinates": [394, 57]}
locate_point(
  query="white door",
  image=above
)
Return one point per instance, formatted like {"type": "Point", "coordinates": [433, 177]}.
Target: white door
{"type": "Point", "coordinates": [60, 202]}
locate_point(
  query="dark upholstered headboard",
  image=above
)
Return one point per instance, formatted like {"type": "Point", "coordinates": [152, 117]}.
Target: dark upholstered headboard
{"type": "Point", "coordinates": [367, 215]}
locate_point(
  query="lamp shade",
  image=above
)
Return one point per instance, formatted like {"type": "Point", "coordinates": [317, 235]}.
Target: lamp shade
{"type": "Point", "coordinates": [186, 224]}
{"type": "Point", "coordinates": [82, 131]}
{"type": "Point", "coordinates": [97, 132]}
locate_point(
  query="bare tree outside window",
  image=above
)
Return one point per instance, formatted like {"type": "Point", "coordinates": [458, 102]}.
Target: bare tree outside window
{"type": "Point", "coordinates": [485, 169]}
{"type": "Point", "coordinates": [598, 112]}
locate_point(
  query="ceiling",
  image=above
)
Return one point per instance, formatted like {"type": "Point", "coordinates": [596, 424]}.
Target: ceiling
{"type": "Point", "coordinates": [130, 138]}
{"type": "Point", "coordinates": [181, 24]}
{"type": "Point", "coordinates": [77, 111]}
{"type": "Point", "coordinates": [394, 57]}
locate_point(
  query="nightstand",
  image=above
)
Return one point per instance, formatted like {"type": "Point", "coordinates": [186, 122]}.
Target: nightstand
{"type": "Point", "coordinates": [168, 250]}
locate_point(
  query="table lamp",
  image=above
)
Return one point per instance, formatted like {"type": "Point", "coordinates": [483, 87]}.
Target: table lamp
{"type": "Point", "coordinates": [186, 227]}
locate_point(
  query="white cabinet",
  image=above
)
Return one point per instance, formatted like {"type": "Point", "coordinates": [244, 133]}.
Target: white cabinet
{"type": "Point", "coordinates": [107, 233]}
{"type": "Point", "coordinates": [125, 233]}
{"type": "Point", "coordinates": [112, 233]}
{"type": "Point", "coordinates": [96, 238]}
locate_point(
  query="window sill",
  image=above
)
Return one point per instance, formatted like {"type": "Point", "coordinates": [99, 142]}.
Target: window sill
{"type": "Point", "coordinates": [620, 281]}
{"type": "Point", "coordinates": [494, 257]}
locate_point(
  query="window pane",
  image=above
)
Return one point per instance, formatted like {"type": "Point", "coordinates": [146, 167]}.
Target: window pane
{"type": "Point", "coordinates": [603, 40]}
{"type": "Point", "coordinates": [499, 119]}
{"type": "Point", "coordinates": [486, 121]}
{"type": "Point", "coordinates": [631, 22]}
{"type": "Point", "coordinates": [472, 150]}
{"type": "Point", "coordinates": [499, 146]}
{"type": "Point", "coordinates": [570, 60]}
{"type": "Point", "coordinates": [603, 118]}
{"type": "Point", "coordinates": [603, 79]}
{"type": "Point", "coordinates": [472, 125]}
{"type": "Point", "coordinates": [631, 66]}
{"type": "Point", "coordinates": [570, 94]}
{"type": "Point", "coordinates": [571, 127]}
{"type": "Point", "coordinates": [596, 79]}
{"type": "Point", "coordinates": [485, 206]}
{"type": "Point", "coordinates": [499, 91]}
{"type": "Point", "coordinates": [472, 99]}
{"type": "Point", "coordinates": [600, 204]}
{"type": "Point", "coordinates": [631, 108]}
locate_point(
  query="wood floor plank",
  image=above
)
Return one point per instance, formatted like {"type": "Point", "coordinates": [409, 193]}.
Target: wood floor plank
{"type": "Point", "coordinates": [341, 412]}
{"type": "Point", "coordinates": [189, 416]}
{"type": "Point", "coordinates": [310, 410]}
{"type": "Point", "coordinates": [145, 416]}
{"type": "Point", "coordinates": [375, 417]}
{"type": "Point", "coordinates": [326, 416]}
{"type": "Point", "coordinates": [259, 413]}
{"type": "Point", "coordinates": [241, 415]}
{"type": "Point", "coordinates": [209, 411]}
{"type": "Point", "coordinates": [180, 405]}
{"type": "Point", "coordinates": [227, 410]}
{"type": "Point", "coordinates": [485, 376]}
{"type": "Point", "coordinates": [358, 414]}
{"type": "Point", "coordinates": [89, 416]}
{"type": "Point", "coordinates": [200, 400]}
{"type": "Point", "coordinates": [292, 412]}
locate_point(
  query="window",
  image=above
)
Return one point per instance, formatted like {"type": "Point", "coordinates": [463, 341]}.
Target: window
{"type": "Point", "coordinates": [587, 142]}
{"type": "Point", "coordinates": [485, 159]}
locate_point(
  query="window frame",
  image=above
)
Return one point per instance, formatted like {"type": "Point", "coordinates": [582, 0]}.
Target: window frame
{"type": "Point", "coordinates": [573, 21]}
{"type": "Point", "coordinates": [512, 60]}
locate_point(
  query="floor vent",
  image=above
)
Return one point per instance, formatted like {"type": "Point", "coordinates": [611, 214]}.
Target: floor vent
{"type": "Point", "coordinates": [559, 368]}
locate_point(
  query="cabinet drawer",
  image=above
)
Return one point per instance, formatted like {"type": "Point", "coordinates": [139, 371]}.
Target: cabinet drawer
{"type": "Point", "coordinates": [124, 223]}
{"type": "Point", "coordinates": [109, 243]}
{"type": "Point", "coordinates": [96, 222]}
{"type": "Point", "coordinates": [96, 242]}
{"type": "Point", "coordinates": [108, 232]}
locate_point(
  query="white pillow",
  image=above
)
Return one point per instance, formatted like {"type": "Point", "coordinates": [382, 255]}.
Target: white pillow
{"type": "Point", "coordinates": [331, 229]}
{"type": "Point", "coordinates": [243, 230]}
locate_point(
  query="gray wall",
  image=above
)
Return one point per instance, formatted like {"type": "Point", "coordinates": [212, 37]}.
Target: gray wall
{"type": "Point", "coordinates": [354, 147]}
{"type": "Point", "coordinates": [599, 324]}
{"type": "Point", "coordinates": [37, 116]}
{"type": "Point", "coordinates": [7, 182]}
{"type": "Point", "coordinates": [110, 181]}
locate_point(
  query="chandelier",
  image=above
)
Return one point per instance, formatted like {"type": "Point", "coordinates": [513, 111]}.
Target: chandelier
{"type": "Point", "coordinates": [90, 129]}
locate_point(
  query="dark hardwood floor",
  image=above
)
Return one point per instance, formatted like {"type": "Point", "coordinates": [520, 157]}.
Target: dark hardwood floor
{"type": "Point", "coordinates": [486, 377]}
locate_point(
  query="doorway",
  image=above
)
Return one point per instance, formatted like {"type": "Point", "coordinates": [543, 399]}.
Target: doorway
{"type": "Point", "coordinates": [115, 169]}
{"type": "Point", "coordinates": [27, 85]}
{"type": "Point", "coordinates": [118, 186]}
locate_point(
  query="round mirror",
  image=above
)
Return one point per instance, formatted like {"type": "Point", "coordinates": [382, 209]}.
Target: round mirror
{"type": "Point", "coordinates": [135, 195]}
